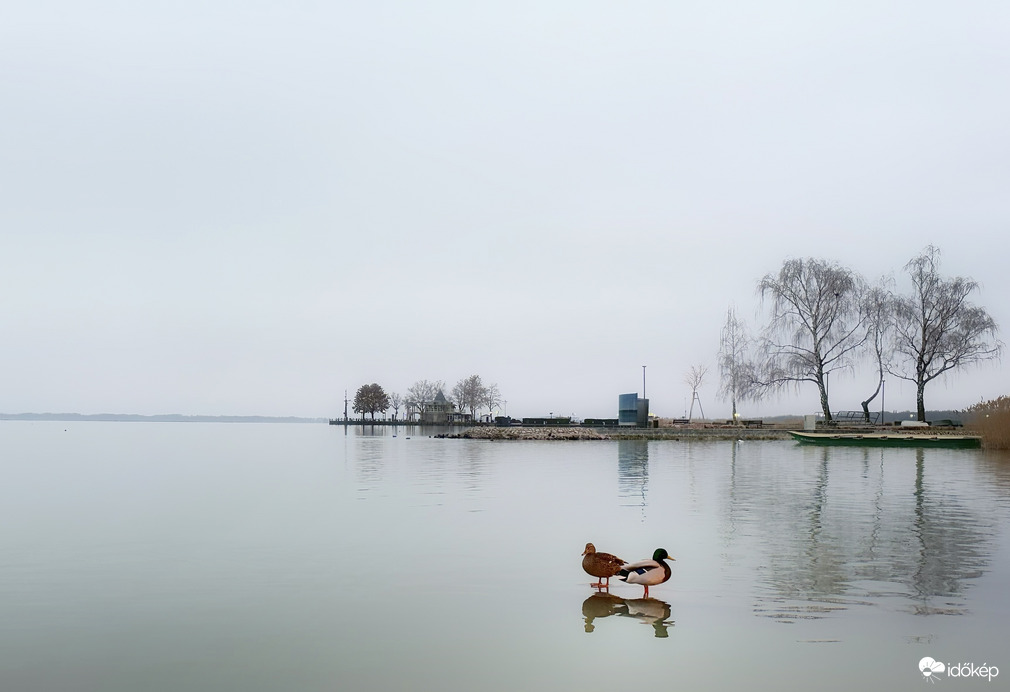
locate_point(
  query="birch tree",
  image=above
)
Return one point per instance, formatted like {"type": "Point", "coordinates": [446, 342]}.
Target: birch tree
{"type": "Point", "coordinates": [937, 330]}
{"type": "Point", "coordinates": [736, 365]}
{"type": "Point", "coordinates": [877, 305]}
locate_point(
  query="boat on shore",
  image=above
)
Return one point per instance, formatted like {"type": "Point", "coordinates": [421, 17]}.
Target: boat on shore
{"type": "Point", "coordinates": [917, 439]}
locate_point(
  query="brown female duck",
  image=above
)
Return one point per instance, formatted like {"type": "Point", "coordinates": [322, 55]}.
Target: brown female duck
{"type": "Point", "coordinates": [600, 565]}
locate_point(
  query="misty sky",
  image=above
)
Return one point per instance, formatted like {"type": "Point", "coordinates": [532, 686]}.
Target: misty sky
{"type": "Point", "coordinates": [247, 207]}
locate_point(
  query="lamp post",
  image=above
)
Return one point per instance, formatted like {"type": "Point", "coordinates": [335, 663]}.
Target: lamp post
{"type": "Point", "coordinates": [643, 381]}
{"type": "Point", "coordinates": [882, 383]}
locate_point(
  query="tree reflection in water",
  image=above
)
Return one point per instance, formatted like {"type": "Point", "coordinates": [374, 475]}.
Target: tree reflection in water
{"type": "Point", "coordinates": [854, 525]}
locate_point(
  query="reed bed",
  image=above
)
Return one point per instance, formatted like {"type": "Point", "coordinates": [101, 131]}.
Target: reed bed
{"type": "Point", "coordinates": [991, 420]}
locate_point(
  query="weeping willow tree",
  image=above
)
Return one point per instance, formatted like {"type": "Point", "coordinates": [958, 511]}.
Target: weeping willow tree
{"type": "Point", "coordinates": [816, 325]}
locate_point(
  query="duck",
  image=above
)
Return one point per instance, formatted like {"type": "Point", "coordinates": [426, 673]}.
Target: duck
{"type": "Point", "coordinates": [647, 572]}
{"type": "Point", "coordinates": [600, 565]}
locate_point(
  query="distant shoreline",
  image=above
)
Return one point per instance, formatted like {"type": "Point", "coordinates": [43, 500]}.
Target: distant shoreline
{"type": "Point", "coordinates": [163, 418]}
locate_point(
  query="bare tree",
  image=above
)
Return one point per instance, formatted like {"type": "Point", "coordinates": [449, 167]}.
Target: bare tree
{"type": "Point", "coordinates": [395, 402]}
{"type": "Point", "coordinates": [736, 365]}
{"type": "Point", "coordinates": [492, 398]}
{"type": "Point", "coordinates": [468, 394]}
{"type": "Point", "coordinates": [936, 329]}
{"type": "Point", "coordinates": [421, 394]}
{"type": "Point", "coordinates": [816, 325]}
{"type": "Point", "coordinates": [877, 306]}
{"type": "Point", "coordinates": [693, 379]}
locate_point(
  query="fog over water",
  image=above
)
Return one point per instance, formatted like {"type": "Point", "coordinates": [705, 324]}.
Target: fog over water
{"type": "Point", "coordinates": [247, 208]}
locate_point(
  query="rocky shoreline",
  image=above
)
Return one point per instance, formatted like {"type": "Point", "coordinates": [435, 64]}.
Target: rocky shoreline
{"type": "Point", "coordinates": [573, 433]}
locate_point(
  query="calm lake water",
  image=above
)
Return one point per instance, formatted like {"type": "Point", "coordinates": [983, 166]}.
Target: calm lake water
{"type": "Point", "coordinates": [167, 557]}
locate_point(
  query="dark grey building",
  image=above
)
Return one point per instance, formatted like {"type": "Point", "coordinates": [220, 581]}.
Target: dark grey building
{"type": "Point", "coordinates": [632, 411]}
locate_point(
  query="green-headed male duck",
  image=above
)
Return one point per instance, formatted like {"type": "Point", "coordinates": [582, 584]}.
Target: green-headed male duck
{"type": "Point", "coordinates": [647, 572]}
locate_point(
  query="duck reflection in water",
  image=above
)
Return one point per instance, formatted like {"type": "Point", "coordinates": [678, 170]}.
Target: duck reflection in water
{"type": "Point", "coordinates": [650, 611]}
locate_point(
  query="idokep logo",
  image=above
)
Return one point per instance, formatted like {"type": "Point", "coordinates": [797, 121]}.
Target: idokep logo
{"type": "Point", "coordinates": [931, 669]}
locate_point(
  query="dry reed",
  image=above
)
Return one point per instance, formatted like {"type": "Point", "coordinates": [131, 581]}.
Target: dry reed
{"type": "Point", "coordinates": [991, 420]}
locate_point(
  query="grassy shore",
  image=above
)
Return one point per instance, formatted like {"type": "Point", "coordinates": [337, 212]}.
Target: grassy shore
{"type": "Point", "coordinates": [991, 420]}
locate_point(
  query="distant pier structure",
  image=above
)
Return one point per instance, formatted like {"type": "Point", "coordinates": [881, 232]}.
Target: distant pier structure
{"type": "Point", "coordinates": [345, 421]}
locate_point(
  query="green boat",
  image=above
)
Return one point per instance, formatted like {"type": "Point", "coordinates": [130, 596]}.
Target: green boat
{"type": "Point", "coordinates": [917, 439]}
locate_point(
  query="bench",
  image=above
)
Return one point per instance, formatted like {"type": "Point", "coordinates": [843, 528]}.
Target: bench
{"type": "Point", "coordinates": [855, 418]}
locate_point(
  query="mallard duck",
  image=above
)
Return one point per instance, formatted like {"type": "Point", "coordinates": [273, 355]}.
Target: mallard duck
{"type": "Point", "coordinates": [600, 565]}
{"type": "Point", "coordinates": [647, 572]}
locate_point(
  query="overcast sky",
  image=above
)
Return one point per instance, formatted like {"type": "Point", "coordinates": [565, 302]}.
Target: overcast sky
{"type": "Point", "coordinates": [247, 207]}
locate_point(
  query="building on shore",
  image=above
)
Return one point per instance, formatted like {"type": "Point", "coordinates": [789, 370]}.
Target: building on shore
{"type": "Point", "coordinates": [441, 411]}
{"type": "Point", "coordinates": [632, 411]}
